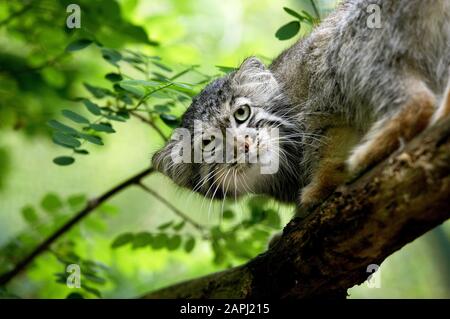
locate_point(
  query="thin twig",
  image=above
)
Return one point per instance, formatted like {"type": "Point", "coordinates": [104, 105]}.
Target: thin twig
{"type": "Point", "coordinates": [91, 205]}
{"type": "Point", "coordinates": [146, 96]}
{"type": "Point", "coordinates": [316, 10]}
{"type": "Point", "coordinates": [173, 208]}
{"type": "Point", "coordinates": [149, 122]}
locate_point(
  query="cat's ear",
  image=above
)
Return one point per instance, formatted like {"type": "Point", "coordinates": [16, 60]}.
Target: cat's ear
{"type": "Point", "coordinates": [253, 70]}
{"type": "Point", "coordinates": [252, 63]}
{"type": "Point", "coordinates": [254, 81]}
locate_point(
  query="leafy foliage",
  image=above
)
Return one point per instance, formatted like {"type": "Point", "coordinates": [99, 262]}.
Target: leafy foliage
{"type": "Point", "coordinates": [45, 71]}
{"type": "Point", "coordinates": [123, 99]}
{"type": "Point", "coordinates": [232, 242]}
{"type": "Point", "coordinates": [291, 29]}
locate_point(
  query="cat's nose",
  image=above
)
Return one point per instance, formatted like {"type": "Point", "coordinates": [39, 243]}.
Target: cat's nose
{"type": "Point", "coordinates": [247, 143]}
{"type": "Point", "coordinates": [243, 145]}
{"type": "Point", "coordinates": [246, 146]}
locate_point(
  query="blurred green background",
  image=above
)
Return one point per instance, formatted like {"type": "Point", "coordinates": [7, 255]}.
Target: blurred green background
{"type": "Point", "coordinates": [39, 78]}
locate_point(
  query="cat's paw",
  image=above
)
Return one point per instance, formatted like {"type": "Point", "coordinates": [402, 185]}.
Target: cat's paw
{"type": "Point", "coordinates": [357, 162]}
{"type": "Point", "coordinates": [312, 195]}
{"type": "Point", "coordinates": [327, 177]}
{"type": "Point", "coordinates": [444, 109]}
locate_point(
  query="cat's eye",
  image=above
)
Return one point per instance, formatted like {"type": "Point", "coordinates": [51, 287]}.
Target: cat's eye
{"type": "Point", "coordinates": [242, 113]}
{"type": "Point", "coordinates": [208, 141]}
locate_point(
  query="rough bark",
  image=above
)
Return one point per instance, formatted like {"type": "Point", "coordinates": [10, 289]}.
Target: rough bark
{"type": "Point", "coordinates": [362, 223]}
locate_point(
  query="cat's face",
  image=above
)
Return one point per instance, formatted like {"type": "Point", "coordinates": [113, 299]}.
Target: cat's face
{"type": "Point", "coordinates": [234, 136]}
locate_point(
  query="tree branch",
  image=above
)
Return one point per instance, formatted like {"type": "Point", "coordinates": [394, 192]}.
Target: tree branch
{"type": "Point", "coordinates": [173, 208]}
{"type": "Point", "coordinates": [361, 224]}
{"type": "Point", "coordinates": [91, 205]}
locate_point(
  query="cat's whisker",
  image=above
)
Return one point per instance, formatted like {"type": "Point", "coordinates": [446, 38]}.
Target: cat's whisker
{"type": "Point", "coordinates": [216, 172]}
{"type": "Point", "coordinates": [204, 180]}
{"type": "Point", "coordinates": [215, 191]}
{"type": "Point", "coordinates": [225, 195]}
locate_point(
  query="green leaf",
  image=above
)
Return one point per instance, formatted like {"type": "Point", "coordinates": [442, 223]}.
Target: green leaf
{"type": "Point", "coordinates": [136, 90]}
{"type": "Point", "coordinates": [261, 234]}
{"type": "Point", "coordinates": [114, 117]}
{"type": "Point", "coordinates": [63, 160]}
{"type": "Point", "coordinates": [111, 55]}
{"type": "Point", "coordinates": [123, 114]}
{"type": "Point", "coordinates": [179, 226]}
{"type": "Point", "coordinates": [62, 127]}
{"type": "Point", "coordinates": [228, 214]}
{"type": "Point", "coordinates": [182, 88]}
{"type": "Point", "coordinates": [75, 295]}
{"type": "Point", "coordinates": [216, 232]}
{"type": "Point", "coordinates": [165, 225]}
{"type": "Point", "coordinates": [288, 31]}
{"type": "Point", "coordinates": [94, 265]}
{"type": "Point", "coordinates": [91, 276]}
{"type": "Point", "coordinates": [78, 45]}
{"type": "Point", "coordinates": [160, 108]}
{"type": "Point", "coordinates": [76, 201]}
{"type": "Point", "coordinates": [126, 98]}
{"type": "Point", "coordinates": [51, 203]}
{"type": "Point", "coordinates": [159, 241]}
{"type": "Point", "coordinates": [219, 252]}
{"type": "Point", "coordinates": [113, 77]}
{"type": "Point", "coordinates": [122, 240]}
{"type": "Point", "coordinates": [152, 84]}
{"type": "Point", "coordinates": [162, 66]}
{"type": "Point", "coordinates": [257, 203]}
{"type": "Point", "coordinates": [137, 33]}
{"type": "Point", "coordinates": [294, 13]}
{"type": "Point", "coordinates": [30, 215]}
{"type": "Point", "coordinates": [173, 242]}
{"type": "Point", "coordinates": [308, 17]}
{"type": "Point", "coordinates": [92, 107]}
{"type": "Point", "coordinates": [225, 69]}
{"type": "Point", "coordinates": [133, 59]}
{"type": "Point", "coordinates": [91, 138]}
{"type": "Point", "coordinates": [159, 76]}
{"type": "Point", "coordinates": [81, 152]}
{"type": "Point", "coordinates": [142, 239]}
{"type": "Point", "coordinates": [257, 216]}
{"type": "Point", "coordinates": [170, 120]}
{"type": "Point", "coordinates": [75, 117]}
{"type": "Point", "coordinates": [92, 290]}
{"type": "Point", "coordinates": [65, 140]}
{"type": "Point", "coordinates": [96, 91]}
{"type": "Point", "coordinates": [102, 128]}
{"type": "Point", "coordinates": [273, 219]}
{"type": "Point", "coordinates": [189, 245]}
